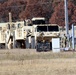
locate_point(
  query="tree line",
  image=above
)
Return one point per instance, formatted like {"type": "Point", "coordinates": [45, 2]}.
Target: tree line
{"type": "Point", "coordinates": [52, 10]}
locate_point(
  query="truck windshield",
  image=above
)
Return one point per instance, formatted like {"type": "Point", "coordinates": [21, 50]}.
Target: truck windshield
{"type": "Point", "coordinates": [53, 28]}
{"type": "Point", "coordinates": [41, 28]}
{"type": "Point", "coordinates": [38, 22]}
{"type": "Point", "coordinates": [47, 28]}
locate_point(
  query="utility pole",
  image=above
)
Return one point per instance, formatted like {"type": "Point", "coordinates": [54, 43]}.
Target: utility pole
{"type": "Point", "coordinates": [66, 21]}
{"type": "Point", "coordinates": [66, 17]}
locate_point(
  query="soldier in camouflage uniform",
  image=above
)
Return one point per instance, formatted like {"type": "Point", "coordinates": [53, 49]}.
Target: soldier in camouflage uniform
{"type": "Point", "coordinates": [63, 41]}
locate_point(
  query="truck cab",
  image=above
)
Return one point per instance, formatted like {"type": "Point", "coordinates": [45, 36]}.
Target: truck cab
{"type": "Point", "coordinates": [21, 33]}
{"type": "Point", "coordinates": [44, 33]}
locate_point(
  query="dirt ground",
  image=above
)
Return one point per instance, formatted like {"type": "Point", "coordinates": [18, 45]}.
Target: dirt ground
{"type": "Point", "coordinates": [30, 62]}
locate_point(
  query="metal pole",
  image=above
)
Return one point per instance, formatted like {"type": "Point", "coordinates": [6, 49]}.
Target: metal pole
{"type": "Point", "coordinates": [73, 45]}
{"type": "Point", "coordinates": [10, 17]}
{"type": "Point", "coordinates": [66, 21]}
{"type": "Point", "coordinates": [66, 17]}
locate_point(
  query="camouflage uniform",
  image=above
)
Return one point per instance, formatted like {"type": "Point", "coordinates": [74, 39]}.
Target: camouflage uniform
{"type": "Point", "coordinates": [63, 41]}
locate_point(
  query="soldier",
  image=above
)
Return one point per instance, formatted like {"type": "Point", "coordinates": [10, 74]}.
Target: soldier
{"type": "Point", "coordinates": [64, 41]}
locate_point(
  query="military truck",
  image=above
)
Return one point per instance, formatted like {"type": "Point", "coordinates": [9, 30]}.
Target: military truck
{"type": "Point", "coordinates": [21, 34]}
{"type": "Point", "coordinates": [43, 34]}
{"type": "Point", "coordinates": [2, 35]}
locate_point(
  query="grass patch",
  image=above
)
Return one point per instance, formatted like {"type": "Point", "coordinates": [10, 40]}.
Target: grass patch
{"type": "Point", "coordinates": [28, 55]}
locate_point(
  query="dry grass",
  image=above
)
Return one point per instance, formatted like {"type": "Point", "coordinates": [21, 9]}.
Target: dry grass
{"type": "Point", "coordinates": [30, 62]}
